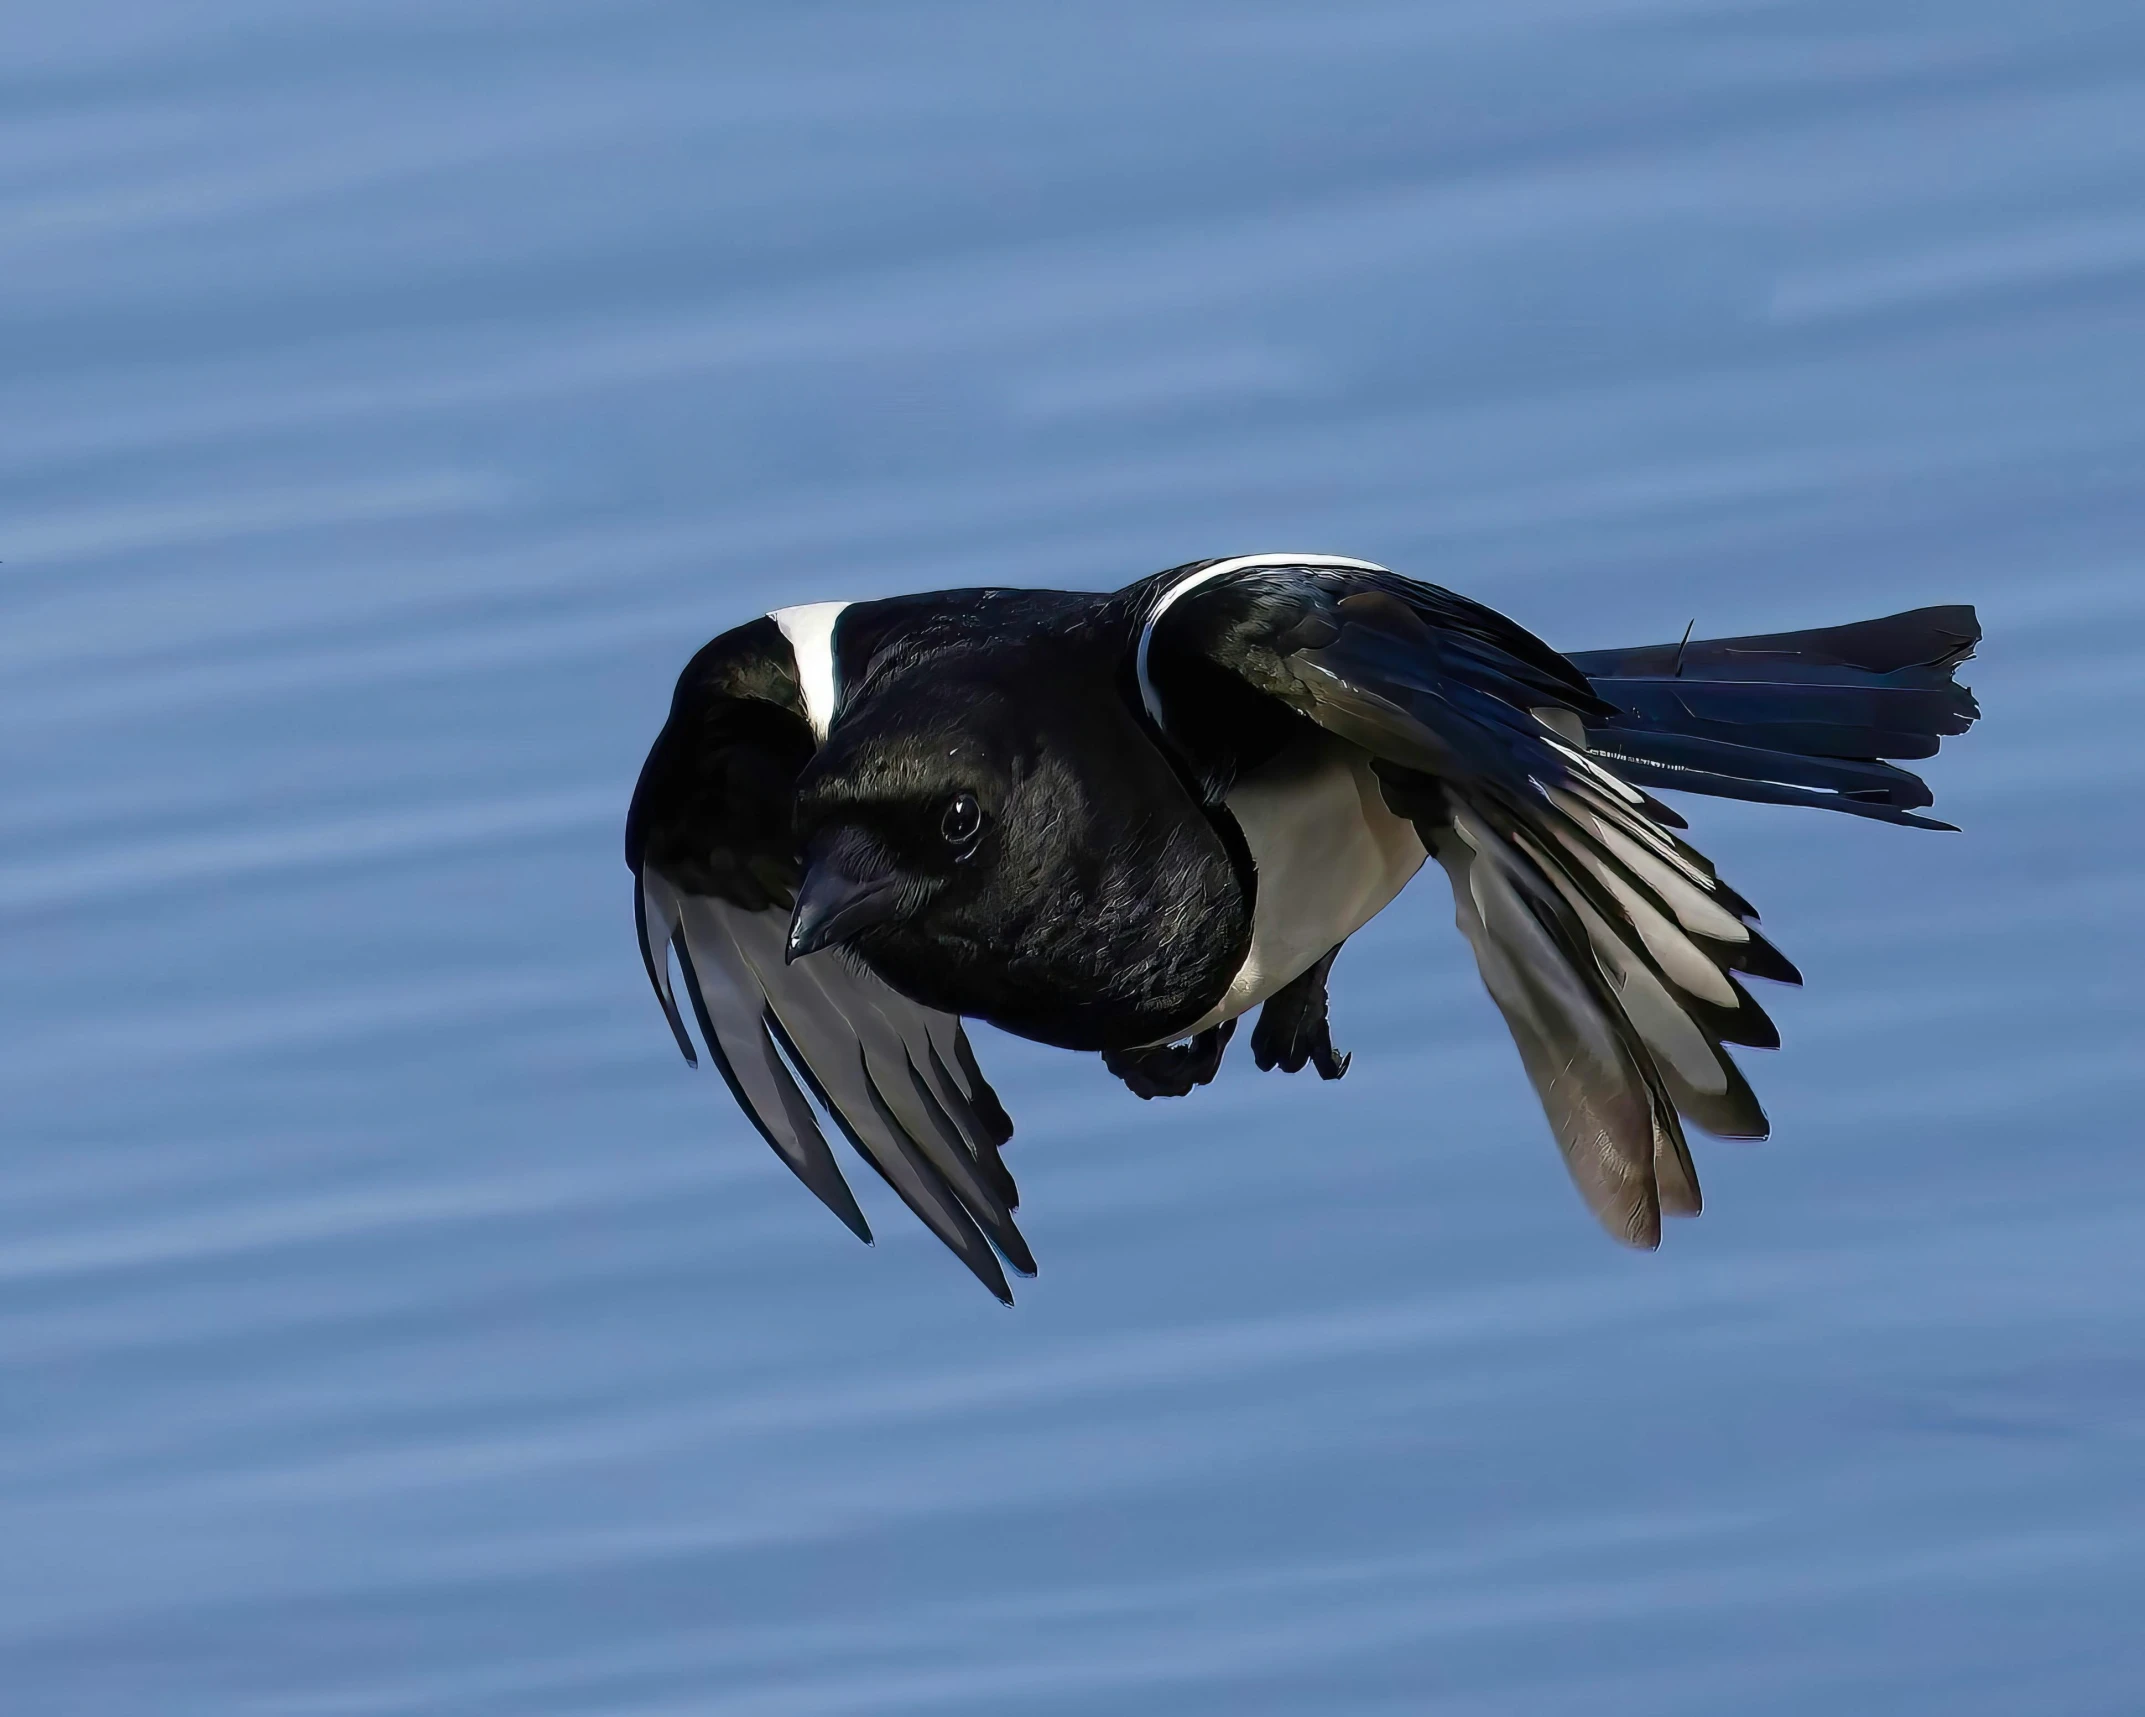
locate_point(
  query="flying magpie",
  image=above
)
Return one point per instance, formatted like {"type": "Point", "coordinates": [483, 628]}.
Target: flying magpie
{"type": "Point", "coordinates": [1121, 822]}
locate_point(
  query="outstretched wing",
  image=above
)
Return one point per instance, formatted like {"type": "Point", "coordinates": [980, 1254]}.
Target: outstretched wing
{"type": "Point", "coordinates": [715, 871]}
{"type": "Point", "coordinates": [1610, 946]}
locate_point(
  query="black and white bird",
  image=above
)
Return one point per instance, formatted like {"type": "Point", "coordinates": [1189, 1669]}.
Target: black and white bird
{"type": "Point", "coordinates": [1120, 822]}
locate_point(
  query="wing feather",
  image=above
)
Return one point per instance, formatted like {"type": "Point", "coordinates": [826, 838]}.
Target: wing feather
{"type": "Point", "coordinates": [1600, 1109]}
{"type": "Point", "coordinates": [1609, 944]}
{"type": "Point", "coordinates": [860, 1037]}
{"type": "Point", "coordinates": [736, 1023]}
{"type": "Point", "coordinates": [713, 857]}
{"type": "Point", "coordinates": [655, 917]}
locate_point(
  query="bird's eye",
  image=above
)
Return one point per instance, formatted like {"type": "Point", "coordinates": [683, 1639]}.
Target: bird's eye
{"type": "Point", "coordinates": [963, 820]}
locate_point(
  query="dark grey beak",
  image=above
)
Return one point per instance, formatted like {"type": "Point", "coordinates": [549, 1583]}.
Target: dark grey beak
{"type": "Point", "coordinates": [835, 902]}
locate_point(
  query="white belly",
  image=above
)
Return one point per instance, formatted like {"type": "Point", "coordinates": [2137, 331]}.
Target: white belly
{"type": "Point", "coordinates": [1329, 856]}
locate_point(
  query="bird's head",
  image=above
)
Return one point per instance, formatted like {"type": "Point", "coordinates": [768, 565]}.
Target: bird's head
{"type": "Point", "coordinates": [909, 815]}
{"type": "Point", "coordinates": [1010, 845]}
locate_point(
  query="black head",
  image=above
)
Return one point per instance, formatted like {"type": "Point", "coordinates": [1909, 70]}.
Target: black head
{"type": "Point", "coordinates": [1006, 842]}
{"type": "Point", "coordinates": [905, 811]}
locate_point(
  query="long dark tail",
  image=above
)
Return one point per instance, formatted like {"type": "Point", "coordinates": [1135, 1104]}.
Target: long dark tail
{"type": "Point", "coordinates": [1791, 718]}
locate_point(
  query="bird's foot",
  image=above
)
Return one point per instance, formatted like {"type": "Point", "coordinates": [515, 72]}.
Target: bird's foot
{"type": "Point", "coordinates": [1292, 1031]}
{"type": "Point", "coordinates": [1171, 1069]}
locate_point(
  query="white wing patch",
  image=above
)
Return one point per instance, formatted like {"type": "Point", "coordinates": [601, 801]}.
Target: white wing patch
{"type": "Point", "coordinates": [1191, 581]}
{"type": "Point", "coordinates": [809, 627]}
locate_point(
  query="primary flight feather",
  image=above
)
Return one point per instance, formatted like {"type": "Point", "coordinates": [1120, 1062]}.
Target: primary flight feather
{"type": "Point", "coordinates": [1119, 822]}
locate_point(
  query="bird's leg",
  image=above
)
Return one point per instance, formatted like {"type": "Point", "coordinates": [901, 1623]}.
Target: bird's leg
{"type": "Point", "coordinates": [1292, 1026]}
{"type": "Point", "coordinates": [1171, 1069]}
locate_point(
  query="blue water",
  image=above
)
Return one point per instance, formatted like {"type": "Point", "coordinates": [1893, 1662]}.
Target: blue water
{"type": "Point", "coordinates": [396, 393]}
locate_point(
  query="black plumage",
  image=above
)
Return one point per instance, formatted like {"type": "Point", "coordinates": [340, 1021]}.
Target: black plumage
{"type": "Point", "coordinates": [1118, 822]}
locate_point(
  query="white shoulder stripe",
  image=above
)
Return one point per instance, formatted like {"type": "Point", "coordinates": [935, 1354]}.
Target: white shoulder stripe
{"type": "Point", "coordinates": [1191, 581]}
{"type": "Point", "coordinates": [809, 627]}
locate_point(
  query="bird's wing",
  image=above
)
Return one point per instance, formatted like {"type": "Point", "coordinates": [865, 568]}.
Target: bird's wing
{"type": "Point", "coordinates": [1610, 946]}
{"type": "Point", "coordinates": [715, 871]}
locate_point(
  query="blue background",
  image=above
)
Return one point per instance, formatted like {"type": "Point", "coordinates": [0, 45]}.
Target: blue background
{"type": "Point", "coordinates": [396, 393]}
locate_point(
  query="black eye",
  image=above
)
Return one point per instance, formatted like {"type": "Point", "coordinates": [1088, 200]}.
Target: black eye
{"type": "Point", "coordinates": [963, 820]}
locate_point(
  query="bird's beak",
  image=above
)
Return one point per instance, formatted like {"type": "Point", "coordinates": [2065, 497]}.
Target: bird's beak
{"type": "Point", "coordinates": [835, 902]}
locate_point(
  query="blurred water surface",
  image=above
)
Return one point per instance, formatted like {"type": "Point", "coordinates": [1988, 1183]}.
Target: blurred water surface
{"type": "Point", "coordinates": [396, 393]}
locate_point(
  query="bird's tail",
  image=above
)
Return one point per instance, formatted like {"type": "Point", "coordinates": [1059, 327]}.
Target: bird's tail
{"type": "Point", "coordinates": [1790, 718]}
